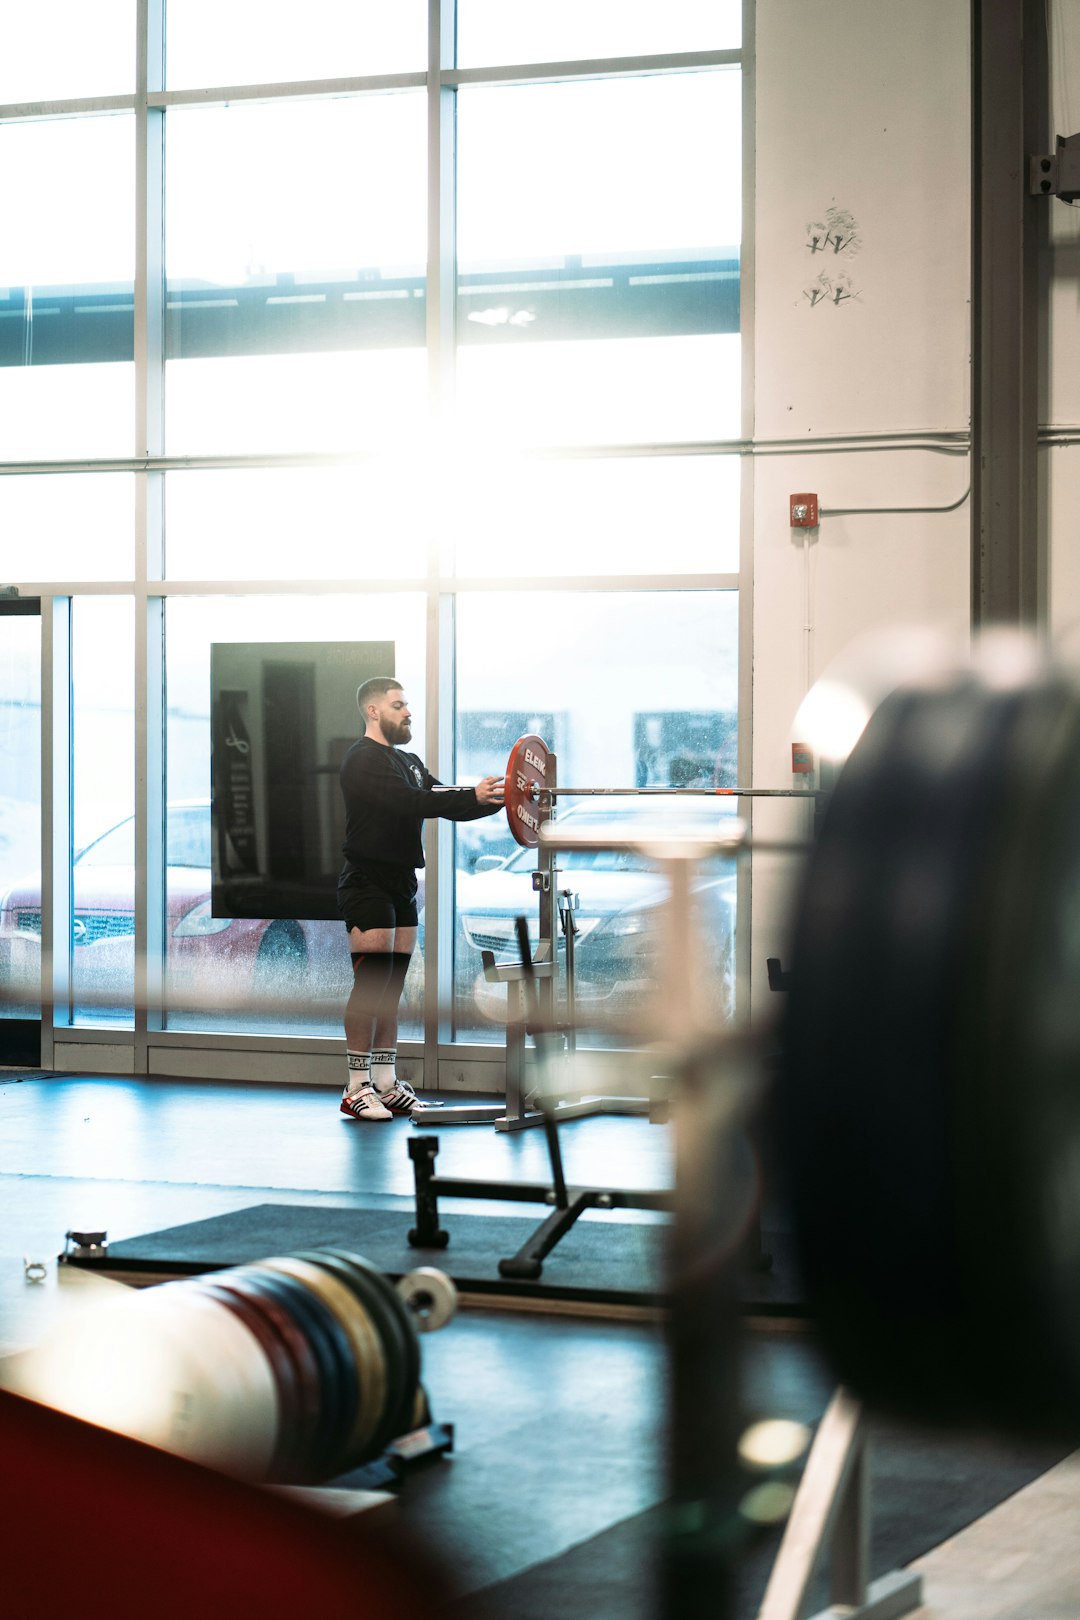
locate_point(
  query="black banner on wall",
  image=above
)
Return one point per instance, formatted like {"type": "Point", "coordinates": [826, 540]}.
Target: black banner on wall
{"type": "Point", "coordinates": [284, 714]}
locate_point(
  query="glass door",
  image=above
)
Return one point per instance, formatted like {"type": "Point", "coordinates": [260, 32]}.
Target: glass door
{"type": "Point", "coordinates": [20, 832]}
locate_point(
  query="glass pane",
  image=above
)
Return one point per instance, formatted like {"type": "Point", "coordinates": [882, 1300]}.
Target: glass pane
{"type": "Point", "coordinates": [294, 321]}
{"type": "Point", "coordinates": [57, 49]}
{"type": "Point", "coordinates": [598, 244]}
{"type": "Point", "coordinates": [218, 42]}
{"type": "Point", "coordinates": [652, 515]}
{"type": "Point", "coordinates": [250, 974]}
{"type": "Point", "coordinates": [103, 797]}
{"type": "Point", "coordinates": [662, 717]}
{"type": "Point", "coordinates": [20, 818]}
{"type": "Point", "coordinates": [66, 287]}
{"type": "Point", "coordinates": [283, 523]}
{"type": "Point", "coordinates": [370, 400]}
{"type": "Point", "coordinates": [649, 391]}
{"type": "Point", "coordinates": [508, 31]}
{"type": "Point", "coordinates": [61, 412]}
{"type": "Point", "coordinates": [77, 526]}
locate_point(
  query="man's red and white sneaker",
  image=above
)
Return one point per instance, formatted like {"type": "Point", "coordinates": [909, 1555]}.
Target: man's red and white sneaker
{"type": "Point", "coordinates": [364, 1104]}
{"type": "Point", "coordinates": [401, 1099]}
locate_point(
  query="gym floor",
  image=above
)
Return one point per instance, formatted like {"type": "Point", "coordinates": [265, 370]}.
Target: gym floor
{"type": "Point", "coordinates": [550, 1501]}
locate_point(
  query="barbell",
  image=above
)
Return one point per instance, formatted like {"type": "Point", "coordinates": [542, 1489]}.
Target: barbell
{"type": "Point", "coordinates": [530, 780]}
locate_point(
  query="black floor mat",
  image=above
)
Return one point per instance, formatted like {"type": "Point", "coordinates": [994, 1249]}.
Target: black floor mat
{"type": "Point", "coordinates": [602, 1259]}
{"type": "Point", "coordinates": [926, 1488]}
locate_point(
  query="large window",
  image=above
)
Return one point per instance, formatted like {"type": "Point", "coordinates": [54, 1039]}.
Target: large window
{"type": "Point", "coordinates": [599, 301]}
{"type": "Point", "coordinates": [319, 330]}
{"type": "Point", "coordinates": [642, 689]}
{"type": "Point", "coordinates": [295, 263]}
{"type": "Point", "coordinates": [67, 267]}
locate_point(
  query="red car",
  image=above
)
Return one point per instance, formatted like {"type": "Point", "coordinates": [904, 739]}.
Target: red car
{"type": "Point", "coordinates": [214, 964]}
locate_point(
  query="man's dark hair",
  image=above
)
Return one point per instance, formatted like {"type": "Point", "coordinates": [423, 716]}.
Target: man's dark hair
{"type": "Point", "coordinates": [377, 686]}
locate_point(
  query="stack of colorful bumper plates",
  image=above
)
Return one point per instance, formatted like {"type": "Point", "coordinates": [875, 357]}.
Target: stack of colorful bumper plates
{"type": "Point", "coordinates": [293, 1370]}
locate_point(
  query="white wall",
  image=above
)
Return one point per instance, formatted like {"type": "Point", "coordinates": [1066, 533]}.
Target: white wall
{"type": "Point", "coordinates": [862, 108]}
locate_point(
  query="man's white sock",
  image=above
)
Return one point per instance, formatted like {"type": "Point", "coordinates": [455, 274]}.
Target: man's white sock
{"type": "Point", "coordinates": [359, 1072]}
{"type": "Point", "coordinates": [383, 1072]}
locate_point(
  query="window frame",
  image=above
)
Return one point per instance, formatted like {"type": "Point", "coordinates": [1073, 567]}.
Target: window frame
{"type": "Point", "coordinates": [150, 1049]}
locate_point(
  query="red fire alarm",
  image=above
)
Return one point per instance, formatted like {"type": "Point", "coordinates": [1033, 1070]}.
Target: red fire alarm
{"type": "Point", "coordinates": [804, 511]}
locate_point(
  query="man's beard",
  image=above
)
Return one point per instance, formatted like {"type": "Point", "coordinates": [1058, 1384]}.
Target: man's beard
{"type": "Point", "coordinates": [396, 731]}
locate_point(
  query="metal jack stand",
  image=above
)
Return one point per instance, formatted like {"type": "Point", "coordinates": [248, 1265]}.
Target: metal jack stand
{"type": "Point", "coordinates": [514, 1114]}
{"type": "Point", "coordinates": [832, 1510]}
{"type": "Point", "coordinates": [557, 908]}
{"type": "Point", "coordinates": [569, 1202]}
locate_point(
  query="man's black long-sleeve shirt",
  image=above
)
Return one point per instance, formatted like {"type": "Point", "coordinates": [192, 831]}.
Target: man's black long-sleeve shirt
{"type": "Point", "coordinates": [388, 796]}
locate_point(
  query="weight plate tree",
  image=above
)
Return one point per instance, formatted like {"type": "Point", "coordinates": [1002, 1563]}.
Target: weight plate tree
{"type": "Point", "coordinates": [927, 1105]}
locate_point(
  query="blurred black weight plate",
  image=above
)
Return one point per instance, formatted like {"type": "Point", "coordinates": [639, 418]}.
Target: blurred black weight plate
{"type": "Point", "coordinates": [311, 1321]}
{"type": "Point", "coordinates": [927, 1105]}
{"type": "Point", "coordinates": [372, 1364]}
{"type": "Point", "coordinates": [371, 1290]}
{"type": "Point", "coordinates": [364, 1353]}
{"type": "Point", "coordinates": [266, 1294]}
{"type": "Point", "coordinates": [388, 1311]}
{"type": "Point", "coordinates": [331, 1339]}
{"type": "Point", "coordinates": [286, 1374]}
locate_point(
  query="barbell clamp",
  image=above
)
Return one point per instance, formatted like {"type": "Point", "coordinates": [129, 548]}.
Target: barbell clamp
{"type": "Point", "coordinates": [85, 1245]}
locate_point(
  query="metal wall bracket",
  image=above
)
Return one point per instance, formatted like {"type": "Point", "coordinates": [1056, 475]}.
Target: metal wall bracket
{"type": "Point", "coordinates": [1057, 174]}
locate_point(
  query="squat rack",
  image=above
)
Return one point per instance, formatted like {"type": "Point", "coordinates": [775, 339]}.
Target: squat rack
{"type": "Point", "coordinates": [532, 780]}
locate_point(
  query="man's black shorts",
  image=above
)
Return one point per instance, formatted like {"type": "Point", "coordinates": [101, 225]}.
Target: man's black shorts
{"type": "Point", "coordinates": [388, 902]}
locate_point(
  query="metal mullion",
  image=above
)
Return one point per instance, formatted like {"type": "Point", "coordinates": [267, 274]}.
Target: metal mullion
{"type": "Point", "coordinates": [289, 90]}
{"type": "Point", "coordinates": [149, 537]}
{"type": "Point", "coordinates": [441, 289]}
{"type": "Point", "coordinates": [441, 296]}
{"type": "Point", "coordinates": [56, 820]}
{"type": "Point", "coordinates": [744, 870]}
{"type": "Point", "coordinates": [439, 889]}
{"type": "Point", "coordinates": [1009, 101]}
{"type": "Point", "coordinates": [283, 587]}
{"type": "Point", "coordinates": [622, 583]}
{"type": "Point", "coordinates": [14, 112]}
{"type": "Point", "coordinates": [611, 67]}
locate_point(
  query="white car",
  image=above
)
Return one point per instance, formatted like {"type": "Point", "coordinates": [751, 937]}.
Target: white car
{"type": "Point", "coordinates": [619, 920]}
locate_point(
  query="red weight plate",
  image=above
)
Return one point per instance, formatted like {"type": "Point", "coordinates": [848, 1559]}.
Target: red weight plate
{"type": "Point", "coordinates": [526, 773]}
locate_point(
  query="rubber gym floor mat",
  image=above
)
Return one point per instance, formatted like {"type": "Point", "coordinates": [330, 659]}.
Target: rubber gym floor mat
{"type": "Point", "coordinates": [926, 1489]}
{"type": "Point", "coordinates": [602, 1260]}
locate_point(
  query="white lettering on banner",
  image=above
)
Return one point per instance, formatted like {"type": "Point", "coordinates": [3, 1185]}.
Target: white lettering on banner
{"type": "Point", "coordinates": [530, 821]}
{"type": "Point", "coordinates": [534, 759]}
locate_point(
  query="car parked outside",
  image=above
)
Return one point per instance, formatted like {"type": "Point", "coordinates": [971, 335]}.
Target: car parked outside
{"type": "Point", "coordinates": [620, 935]}
{"type": "Point", "coordinates": [229, 968]}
